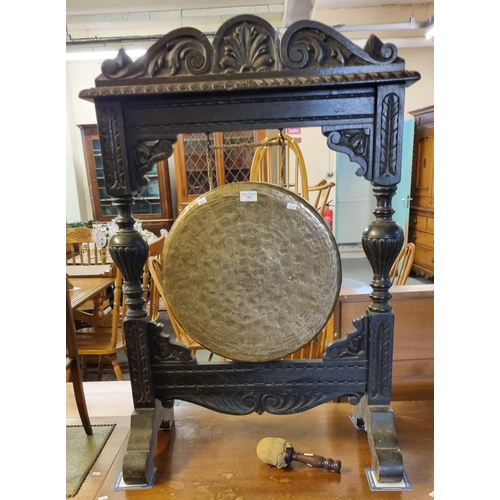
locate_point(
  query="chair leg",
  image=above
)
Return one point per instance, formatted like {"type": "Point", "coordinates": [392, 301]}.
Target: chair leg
{"type": "Point", "coordinates": [73, 363]}
{"type": "Point", "coordinates": [100, 367]}
{"type": "Point", "coordinates": [83, 361]}
{"type": "Point", "coordinates": [80, 398]}
{"type": "Point", "coordinates": [116, 368]}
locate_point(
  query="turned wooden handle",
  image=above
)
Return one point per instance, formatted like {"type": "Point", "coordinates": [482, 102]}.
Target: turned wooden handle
{"type": "Point", "coordinates": [312, 460]}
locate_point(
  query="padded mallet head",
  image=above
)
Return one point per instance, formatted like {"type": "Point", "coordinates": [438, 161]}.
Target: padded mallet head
{"type": "Point", "coordinates": [279, 453]}
{"type": "Point", "coordinates": [272, 451]}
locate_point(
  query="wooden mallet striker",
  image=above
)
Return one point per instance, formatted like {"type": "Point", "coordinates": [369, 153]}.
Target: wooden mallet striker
{"type": "Point", "coordinates": [279, 453]}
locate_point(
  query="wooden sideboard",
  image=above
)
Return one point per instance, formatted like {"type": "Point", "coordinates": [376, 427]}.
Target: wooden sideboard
{"type": "Point", "coordinates": [421, 226]}
{"type": "Point", "coordinates": [413, 356]}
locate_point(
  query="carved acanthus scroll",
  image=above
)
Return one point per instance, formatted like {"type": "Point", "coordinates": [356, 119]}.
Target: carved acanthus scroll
{"type": "Point", "coordinates": [248, 44]}
{"type": "Point", "coordinates": [182, 51]}
{"type": "Point", "coordinates": [247, 48]}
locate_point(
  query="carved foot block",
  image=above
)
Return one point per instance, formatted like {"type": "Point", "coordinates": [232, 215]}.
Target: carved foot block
{"type": "Point", "coordinates": [138, 466]}
{"type": "Point", "coordinates": [387, 461]}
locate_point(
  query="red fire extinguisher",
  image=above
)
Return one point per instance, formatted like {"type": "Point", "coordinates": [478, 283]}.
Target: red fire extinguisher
{"type": "Point", "coordinates": [328, 216]}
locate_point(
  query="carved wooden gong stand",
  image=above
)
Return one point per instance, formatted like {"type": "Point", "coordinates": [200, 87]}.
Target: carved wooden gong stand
{"type": "Point", "coordinates": [248, 78]}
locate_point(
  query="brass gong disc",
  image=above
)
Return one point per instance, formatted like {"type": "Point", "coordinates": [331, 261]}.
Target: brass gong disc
{"type": "Point", "coordinates": [251, 271]}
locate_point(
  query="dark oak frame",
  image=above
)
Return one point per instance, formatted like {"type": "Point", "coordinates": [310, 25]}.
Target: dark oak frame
{"type": "Point", "coordinates": [248, 78]}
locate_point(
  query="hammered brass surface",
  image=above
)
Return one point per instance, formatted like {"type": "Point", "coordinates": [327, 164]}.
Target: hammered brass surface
{"type": "Point", "coordinates": [251, 280]}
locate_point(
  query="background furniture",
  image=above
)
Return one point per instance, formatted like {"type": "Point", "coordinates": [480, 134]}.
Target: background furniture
{"type": "Point", "coordinates": [421, 225]}
{"type": "Point", "coordinates": [357, 97]}
{"type": "Point", "coordinates": [105, 338]}
{"type": "Point", "coordinates": [85, 246]}
{"type": "Point", "coordinates": [154, 266]}
{"type": "Point", "coordinates": [151, 294]}
{"type": "Point", "coordinates": [73, 365]}
{"type": "Point", "coordinates": [153, 203]}
{"type": "Point", "coordinates": [413, 357]}
{"type": "Point", "coordinates": [319, 194]}
{"type": "Point", "coordinates": [279, 160]}
{"type": "Point", "coordinates": [401, 268]}
{"type": "Point", "coordinates": [229, 159]}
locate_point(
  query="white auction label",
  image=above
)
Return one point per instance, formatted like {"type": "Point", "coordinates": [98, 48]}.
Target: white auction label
{"type": "Point", "coordinates": [248, 195]}
{"type": "Point", "coordinates": [292, 206]}
{"type": "Point", "coordinates": [202, 200]}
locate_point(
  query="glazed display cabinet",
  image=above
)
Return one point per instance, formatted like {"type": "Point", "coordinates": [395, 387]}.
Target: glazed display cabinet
{"type": "Point", "coordinates": [153, 202]}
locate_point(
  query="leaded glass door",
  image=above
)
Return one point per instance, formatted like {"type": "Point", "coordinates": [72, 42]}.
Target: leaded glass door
{"type": "Point", "coordinates": [203, 162]}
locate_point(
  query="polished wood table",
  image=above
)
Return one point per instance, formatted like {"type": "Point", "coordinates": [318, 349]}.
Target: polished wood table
{"type": "Point", "coordinates": [90, 271]}
{"type": "Point", "coordinates": [85, 289]}
{"type": "Point", "coordinates": [88, 288]}
{"type": "Point", "coordinates": [211, 455]}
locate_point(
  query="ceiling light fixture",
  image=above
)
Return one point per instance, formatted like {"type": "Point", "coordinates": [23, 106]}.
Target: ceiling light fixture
{"type": "Point", "coordinates": [429, 32]}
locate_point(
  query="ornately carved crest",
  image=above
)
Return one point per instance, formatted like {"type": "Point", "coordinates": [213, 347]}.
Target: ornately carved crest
{"type": "Point", "coordinates": [248, 44]}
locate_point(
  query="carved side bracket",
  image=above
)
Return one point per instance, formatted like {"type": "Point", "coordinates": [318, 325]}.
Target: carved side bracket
{"type": "Point", "coordinates": [357, 143]}
{"type": "Point", "coordinates": [353, 345]}
{"type": "Point", "coordinates": [147, 153]}
{"type": "Point", "coordinates": [164, 349]}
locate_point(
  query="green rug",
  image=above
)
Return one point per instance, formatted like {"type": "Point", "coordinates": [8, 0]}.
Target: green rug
{"type": "Point", "coordinates": [82, 451]}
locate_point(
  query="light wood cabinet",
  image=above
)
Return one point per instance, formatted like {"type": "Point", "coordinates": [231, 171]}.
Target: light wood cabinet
{"type": "Point", "coordinates": [153, 205]}
{"type": "Point", "coordinates": [229, 160]}
{"type": "Point", "coordinates": [421, 225]}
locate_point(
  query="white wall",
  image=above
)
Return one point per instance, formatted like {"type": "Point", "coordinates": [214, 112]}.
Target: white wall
{"type": "Point", "coordinates": [420, 94]}
{"type": "Point", "coordinates": [72, 208]}
{"type": "Point", "coordinates": [79, 76]}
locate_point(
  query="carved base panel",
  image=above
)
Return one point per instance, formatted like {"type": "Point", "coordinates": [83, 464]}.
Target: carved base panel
{"type": "Point", "coordinates": [280, 388]}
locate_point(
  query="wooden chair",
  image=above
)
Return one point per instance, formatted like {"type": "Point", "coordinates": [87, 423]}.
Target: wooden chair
{"type": "Point", "coordinates": [316, 348]}
{"type": "Point", "coordinates": [85, 246]}
{"type": "Point", "coordinates": [73, 365]}
{"type": "Point", "coordinates": [401, 268]}
{"type": "Point", "coordinates": [155, 271]}
{"type": "Point", "coordinates": [279, 160]}
{"type": "Point", "coordinates": [151, 294]}
{"type": "Point", "coordinates": [322, 190]}
{"type": "Point", "coordinates": [106, 338]}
